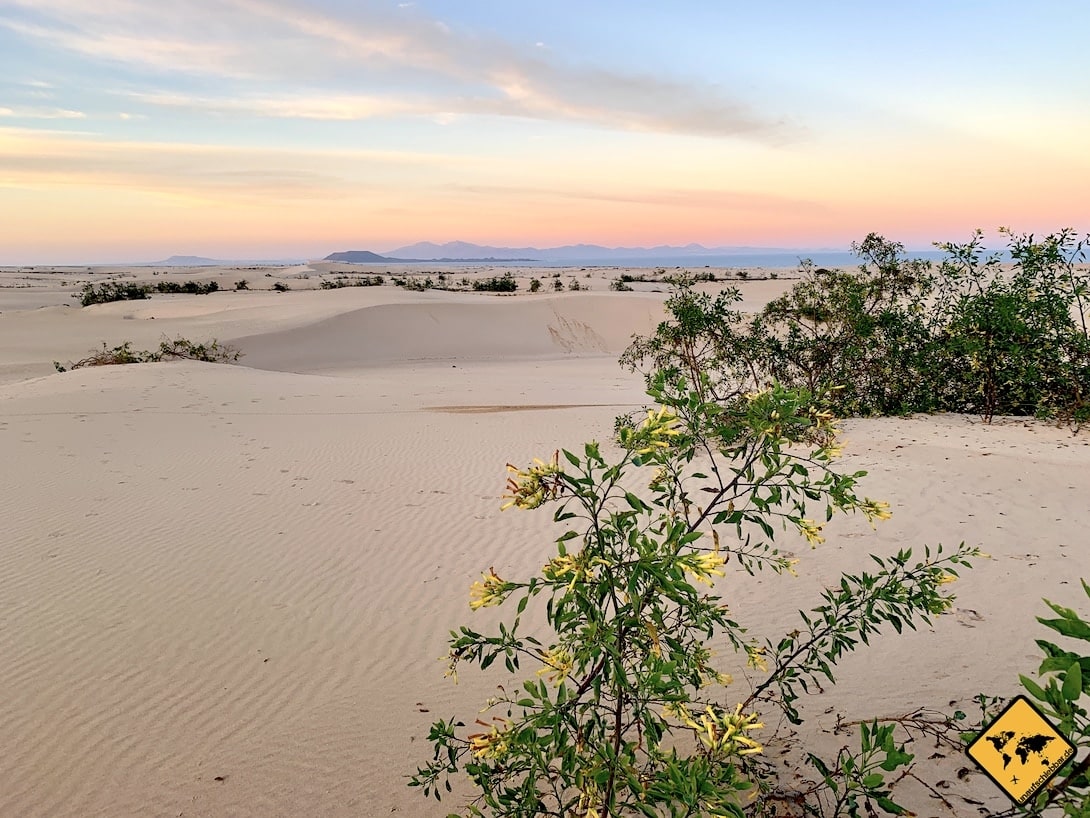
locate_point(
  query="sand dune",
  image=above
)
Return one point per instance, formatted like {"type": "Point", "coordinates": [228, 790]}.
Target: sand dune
{"type": "Point", "coordinates": [469, 328]}
{"type": "Point", "coordinates": [224, 589]}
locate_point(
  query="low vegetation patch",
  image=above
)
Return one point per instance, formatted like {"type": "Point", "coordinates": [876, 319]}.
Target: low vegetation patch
{"type": "Point", "coordinates": [169, 349]}
{"type": "Point", "coordinates": [110, 291]}
{"type": "Point", "coordinates": [976, 335]}
{"type": "Point", "coordinates": [352, 281]}
{"type": "Point", "coordinates": [496, 284]}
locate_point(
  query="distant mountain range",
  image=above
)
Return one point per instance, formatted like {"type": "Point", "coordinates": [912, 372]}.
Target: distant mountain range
{"type": "Point", "coordinates": [464, 251]}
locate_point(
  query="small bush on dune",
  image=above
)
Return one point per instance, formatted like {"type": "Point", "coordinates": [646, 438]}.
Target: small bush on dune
{"type": "Point", "coordinates": [110, 291]}
{"type": "Point", "coordinates": [242, 284]}
{"type": "Point", "coordinates": [496, 284]}
{"type": "Point", "coordinates": [897, 336]}
{"type": "Point", "coordinates": [169, 349]}
{"type": "Point", "coordinates": [624, 708]}
{"type": "Point", "coordinates": [352, 281]}
{"type": "Point", "coordinates": [280, 287]}
{"type": "Point", "coordinates": [187, 287]}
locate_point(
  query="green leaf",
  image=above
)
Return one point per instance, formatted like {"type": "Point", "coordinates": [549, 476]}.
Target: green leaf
{"type": "Point", "coordinates": [1033, 688]}
{"type": "Point", "coordinates": [1072, 686]}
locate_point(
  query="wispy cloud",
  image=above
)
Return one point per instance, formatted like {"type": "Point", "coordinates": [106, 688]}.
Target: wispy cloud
{"type": "Point", "coordinates": [41, 159]}
{"type": "Point", "coordinates": [389, 54]}
{"type": "Point", "coordinates": [42, 113]}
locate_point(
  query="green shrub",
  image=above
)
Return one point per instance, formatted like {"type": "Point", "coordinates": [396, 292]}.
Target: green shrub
{"type": "Point", "coordinates": [109, 291]}
{"type": "Point", "coordinates": [497, 284]}
{"type": "Point", "coordinates": [280, 287]}
{"type": "Point", "coordinates": [189, 287]}
{"type": "Point", "coordinates": [558, 285]}
{"type": "Point", "coordinates": [619, 285]}
{"type": "Point", "coordinates": [894, 337]}
{"type": "Point", "coordinates": [351, 281]}
{"type": "Point", "coordinates": [169, 349]}
{"type": "Point", "coordinates": [535, 285]}
{"type": "Point", "coordinates": [242, 284]}
{"type": "Point", "coordinates": [624, 709]}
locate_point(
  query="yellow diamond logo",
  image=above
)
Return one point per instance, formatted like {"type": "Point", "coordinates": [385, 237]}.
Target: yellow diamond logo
{"type": "Point", "coordinates": [1020, 750]}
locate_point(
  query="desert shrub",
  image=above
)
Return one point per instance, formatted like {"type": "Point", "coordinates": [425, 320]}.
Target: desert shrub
{"type": "Point", "coordinates": [704, 275]}
{"type": "Point", "coordinates": [497, 284]}
{"type": "Point", "coordinates": [574, 285]}
{"type": "Point", "coordinates": [242, 284]}
{"type": "Point", "coordinates": [619, 285]}
{"type": "Point", "coordinates": [280, 287]}
{"type": "Point", "coordinates": [189, 287]}
{"type": "Point", "coordinates": [352, 281]}
{"type": "Point", "coordinates": [535, 285]}
{"type": "Point", "coordinates": [896, 336]}
{"type": "Point", "coordinates": [109, 291]}
{"type": "Point", "coordinates": [211, 352]}
{"type": "Point", "coordinates": [1016, 342]}
{"type": "Point", "coordinates": [558, 285]}
{"type": "Point", "coordinates": [169, 349]}
{"type": "Point", "coordinates": [627, 707]}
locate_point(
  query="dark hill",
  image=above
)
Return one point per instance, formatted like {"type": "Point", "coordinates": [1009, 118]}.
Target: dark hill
{"type": "Point", "coordinates": [358, 257]}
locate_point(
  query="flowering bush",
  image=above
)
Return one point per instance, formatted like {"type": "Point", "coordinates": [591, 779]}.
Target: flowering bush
{"type": "Point", "coordinates": [629, 707]}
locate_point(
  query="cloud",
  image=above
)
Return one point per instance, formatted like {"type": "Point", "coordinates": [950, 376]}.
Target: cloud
{"type": "Point", "coordinates": [42, 113]}
{"type": "Point", "coordinates": [42, 159]}
{"type": "Point", "coordinates": [272, 51]}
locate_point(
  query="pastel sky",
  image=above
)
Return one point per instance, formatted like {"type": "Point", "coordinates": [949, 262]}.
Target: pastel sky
{"type": "Point", "coordinates": [136, 129]}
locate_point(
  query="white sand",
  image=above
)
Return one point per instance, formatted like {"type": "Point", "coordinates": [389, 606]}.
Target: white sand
{"type": "Point", "coordinates": [248, 572]}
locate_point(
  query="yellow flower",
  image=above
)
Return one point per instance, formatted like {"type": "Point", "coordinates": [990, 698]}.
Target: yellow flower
{"type": "Point", "coordinates": [491, 591]}
{"type": "Point", "coordinates": [755, 658]}
{"type": "Point", "coordinates": [558, 664]}
{"type": "Point", "coordinates": [653, 434]}
{"type": "Point", "coordinates": [724, 732]}
{"type": "Point", "coordinates": [530, 487]}
{"type": "Point", "coordinates": [875, 510]}
{"type": "Point", "coordinates": [576, 567]}
{"type": "Point", "coordinates": [705, 566]}
{"type": "Point", "coordinates": [492, 744]}
{"type": "Point", "coordinates": [812, 532]}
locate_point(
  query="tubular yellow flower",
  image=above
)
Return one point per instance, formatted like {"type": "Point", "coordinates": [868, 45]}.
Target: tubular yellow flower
{"type": "Point", "coordinates": [723, 732]}
{"type": "Point", "coordinates": [530, 487]}
{"type": "Point", "coordinates": [492, 744]}
{"type": "Point", "coordinates": [705, 566]}
{"type": "Point", "coordinates": [875, 510]}
{"type": "Point", "coordinates": [654, 433]}
{"type": "Point", "coordinates": [755, 658]}
{"type": "Point", "coordinates": [812, 532]}
{"type": "Point", "coordinates": [557, 665]}
{"type": "Point", "coordinates": [491, 591]}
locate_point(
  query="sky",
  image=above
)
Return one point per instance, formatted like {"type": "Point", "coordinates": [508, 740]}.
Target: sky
{"type": "Point", "coordinates": [133, 130]}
